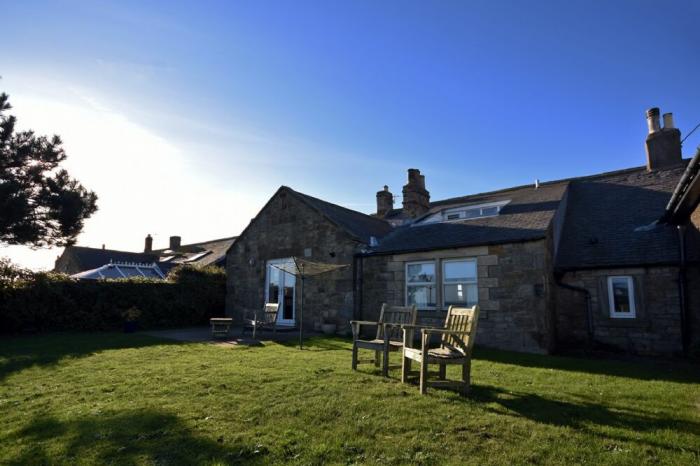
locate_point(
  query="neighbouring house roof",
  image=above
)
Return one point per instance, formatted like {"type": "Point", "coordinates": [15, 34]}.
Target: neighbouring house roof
{"type": "Point", "coordinates": [360, 226]}
{"type": "Point", "coordinates": [91, 258]}
{"type": "Point", "coordinates": [121, 270]}
{"type": "Point", "coordinates": [525, 217]}
{"type": "Point", "coordinates": [211, 252]}
{"type": "Point", "coordinates": [611, 220]}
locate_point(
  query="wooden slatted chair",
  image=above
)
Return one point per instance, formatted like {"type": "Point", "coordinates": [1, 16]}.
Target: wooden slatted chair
{"type": "Point", "coordinates": [457, 341]}
{"type": "Point", "coordinates": [266, 318]}
{"type": "Point", "coordinates": [388, 337]}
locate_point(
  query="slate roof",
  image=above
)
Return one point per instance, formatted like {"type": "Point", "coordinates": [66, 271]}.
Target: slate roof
{"type": "Point", "coordinates": [359, 225]}
{"type": "Point", "coordinates": [525, 217]}
{"type": "Point", "coordinates": [604, 215]}
{"type": "Point", "coordinates": [601, 220]}
{"type": "Point", "coordinates": [212, 252]}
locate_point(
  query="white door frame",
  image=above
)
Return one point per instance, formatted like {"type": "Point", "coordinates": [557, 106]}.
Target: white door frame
{"type": "Point", "coordinates": [286, 278]}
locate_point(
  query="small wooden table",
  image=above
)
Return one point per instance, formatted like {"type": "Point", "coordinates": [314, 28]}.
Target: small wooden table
{"type": "Point", "coordinates": [220, 326]}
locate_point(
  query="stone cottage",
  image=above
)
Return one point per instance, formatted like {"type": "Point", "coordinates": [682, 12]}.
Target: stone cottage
{"type": "Point", "coordinates": [293, 224]}
{"type": "Point", "coordinates": [585, 262]}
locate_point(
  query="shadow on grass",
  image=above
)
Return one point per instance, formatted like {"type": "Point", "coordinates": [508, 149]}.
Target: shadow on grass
{"type": "Point", "coordinates": [17, 354]}
{"type": "Point", "coordinates": [583, 415]}
{"type": "Point", "coordinates": [676, 371]}
{"type": "Point", "coordinates": [128, 439]}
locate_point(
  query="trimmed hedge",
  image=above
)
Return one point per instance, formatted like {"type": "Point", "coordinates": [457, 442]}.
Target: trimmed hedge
{"type": "Point", "coordinates": [49, 301]}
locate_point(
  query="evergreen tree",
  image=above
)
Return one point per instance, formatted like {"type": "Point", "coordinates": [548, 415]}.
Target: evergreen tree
{"type": "Point", "coordinates": [40, 204]}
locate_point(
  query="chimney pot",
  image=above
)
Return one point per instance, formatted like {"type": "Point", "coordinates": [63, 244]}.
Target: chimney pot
{"type": "Point", "coordinates": [668, 121]}
{"type": "Point", "coordinates": [148, 246]}
{"type": "Point", "coordinates": [653, 120]}
{"type": "Point", "coordinates": [175, 242]}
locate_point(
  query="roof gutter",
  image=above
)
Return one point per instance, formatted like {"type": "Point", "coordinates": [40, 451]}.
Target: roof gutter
{"type": "Point", "coordinates": [683, 190]}
{"type": "Point", "coordinates": [443, 248]}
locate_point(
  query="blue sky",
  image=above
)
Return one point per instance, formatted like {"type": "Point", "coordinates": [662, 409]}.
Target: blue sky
{"type": "Point", "coordinates": [185, 117]}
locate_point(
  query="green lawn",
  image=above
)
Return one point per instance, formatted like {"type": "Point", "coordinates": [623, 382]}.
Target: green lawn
{"type": "Point", "coordinates": [132, 399]}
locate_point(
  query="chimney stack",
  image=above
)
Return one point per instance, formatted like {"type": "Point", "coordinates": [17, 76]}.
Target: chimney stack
{"type": "Point", "coordinates": [663, 144]}
{"type": "Point", "coordinates": [175, 242]}
{"type": "Point", "coordinates": [148, 247]}
{"type": "Point", "coordinates": [385, 202]}
{"type": "Point", "coordinates": [416, 199]}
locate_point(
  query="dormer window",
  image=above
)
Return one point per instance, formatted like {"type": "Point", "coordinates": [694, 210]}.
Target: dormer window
{"type": "Point", "coordinates": [474, 211]}
{"type": "Point", "coordinates": [461, 213]}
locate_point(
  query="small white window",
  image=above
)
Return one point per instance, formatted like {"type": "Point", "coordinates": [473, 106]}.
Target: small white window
{"type": "Point", "coordinates": [420, 284]}
{"type": "Point", "coordinates": [621, 297]}
{"type": "Point", "coordinates": [459, 282]}
{"type": "Point", "coordinates": [472, 213]}
{"type": "Point", "coordinates": [468, 212]}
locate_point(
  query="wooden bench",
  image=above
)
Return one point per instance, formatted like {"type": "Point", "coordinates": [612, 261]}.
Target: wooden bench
{"type": "Point", "coordinates": [457, 341]}
{"type": "Point", "coordinates": [388, 337]}
{"type": "Point", "coordinates": [220, 326]}
{"type": "Point", "coordinates": [264, 320]}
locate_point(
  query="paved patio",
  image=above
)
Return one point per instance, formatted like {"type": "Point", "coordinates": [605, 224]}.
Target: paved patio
{"type": "Point", "coordinates": [203, 334]}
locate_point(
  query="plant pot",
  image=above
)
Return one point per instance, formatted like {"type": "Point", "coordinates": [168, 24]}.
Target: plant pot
{"type": "Point", "coordinates": [130, 326]}
{"type": "Point", "coordinates": [328, 329]}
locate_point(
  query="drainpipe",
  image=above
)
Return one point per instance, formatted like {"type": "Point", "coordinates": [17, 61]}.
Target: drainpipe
{"type": "Point", "coordinates": [357, 286]}
{"type": "Point", "coordinates": [587, 294]}
{"type": "Point", "coordinates": [681, 290]}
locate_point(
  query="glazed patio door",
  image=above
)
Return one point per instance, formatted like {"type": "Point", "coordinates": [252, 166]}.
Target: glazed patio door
{"type": "Point", "coordinates": [280, 288]}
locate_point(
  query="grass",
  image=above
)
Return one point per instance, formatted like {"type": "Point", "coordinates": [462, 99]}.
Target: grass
{"type": "Point", "coordinates": [133, 399]}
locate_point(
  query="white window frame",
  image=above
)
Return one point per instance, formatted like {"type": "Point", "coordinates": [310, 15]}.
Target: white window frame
{"type": "Point", "coordinates": [280, 292]}
{"type": "Point", "coordinates": [435, 284]}
{"type": "Point", "coordinates": [475, 281]}
{"type": "Point", "coordinates": [461, 211]}
{"type": "Point", "coordinates": [611, 298]}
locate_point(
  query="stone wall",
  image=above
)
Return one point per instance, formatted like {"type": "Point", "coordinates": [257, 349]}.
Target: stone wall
{"type": "Point", "coordinates": [288, 227]}
{"type": "Point", "coordinates": [693, 282]}
{"type": "Point", "coordinates": [656, 330]}
{"type": "Point", "coordinates": [512, 292]}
